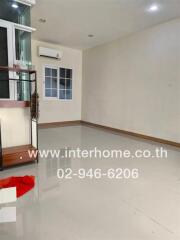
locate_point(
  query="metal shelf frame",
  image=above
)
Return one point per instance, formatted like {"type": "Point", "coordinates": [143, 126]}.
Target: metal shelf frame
{"type": "Point", "coordinates": [34, 81]}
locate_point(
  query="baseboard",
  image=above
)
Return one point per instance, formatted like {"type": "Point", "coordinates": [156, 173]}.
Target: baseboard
{"type": "Point", "coordinates": [59, 124]}
{"type": "Point", "coordinates": [116, 130]}
{"type": "Point", "coordinates": [138, 135]}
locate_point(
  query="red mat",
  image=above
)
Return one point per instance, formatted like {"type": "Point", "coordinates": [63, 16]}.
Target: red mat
{"type": "Point", "coordinates": [22, 184]}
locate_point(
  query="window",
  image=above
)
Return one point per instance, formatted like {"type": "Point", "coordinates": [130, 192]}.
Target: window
{"type": "Point", "coordinates": [65, 83]}
{"type": "Point", "coordinates": [51, 77]}
{"type": "Point", "coordinates": [20, 15]}
{"type": "Point", "coordinates": [4, 85]}
{"type": "Point", "coordinates": [58, 83]}
{"type": "Point", "coordinates": [23, 56]}
{"type": "Point", "coordinates": [15, 48]}
{"type": "Point", "coordinates": [23, 46]}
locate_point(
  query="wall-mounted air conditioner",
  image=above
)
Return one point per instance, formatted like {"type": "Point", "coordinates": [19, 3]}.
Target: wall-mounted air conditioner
{"type": "Point", "coordinates": [50, 53]}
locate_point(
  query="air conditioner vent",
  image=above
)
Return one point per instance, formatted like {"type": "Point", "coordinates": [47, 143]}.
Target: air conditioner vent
{"type": "Point", "coordinates": [50, 53]}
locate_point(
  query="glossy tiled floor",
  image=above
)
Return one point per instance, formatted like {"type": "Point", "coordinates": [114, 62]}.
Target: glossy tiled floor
{"type": "Point", "coordinates": [144, 209]}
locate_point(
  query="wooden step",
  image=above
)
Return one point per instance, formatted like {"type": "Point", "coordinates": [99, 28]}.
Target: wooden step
{"type": "Point", "coordinates": [17, 155]}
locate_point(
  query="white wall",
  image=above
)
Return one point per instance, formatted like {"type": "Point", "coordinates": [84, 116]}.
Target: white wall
{"type": "Point", "coordinates": [134, 83]}
{"type": "Point", "coordinates": [15, 126]}
{"type": "Point", "coordinates": [59, 110]}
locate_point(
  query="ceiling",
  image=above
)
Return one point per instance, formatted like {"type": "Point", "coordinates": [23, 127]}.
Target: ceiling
{"type": "Point", "coordinates": [69, 22]}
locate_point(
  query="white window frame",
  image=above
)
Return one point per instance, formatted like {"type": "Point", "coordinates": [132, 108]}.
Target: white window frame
{"type": "Point", "coordinates": [10, 49]}
{"type": "Point", "coordinates": [11, 27]}
{"type": "Point", "coordinates": [58, 82]}
{"type": "Point", "coordinates": [66, 100]}
{"type": "Point", "coordinates": [44, 89]}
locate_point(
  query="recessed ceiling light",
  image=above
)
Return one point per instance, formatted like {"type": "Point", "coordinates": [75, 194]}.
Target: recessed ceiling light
{"type": "Point", "coordinates": [153, 8]}
{"type": "Point", "coordinates": [90, 35]}
{"type": "Point", "coordinates": [14, 5]}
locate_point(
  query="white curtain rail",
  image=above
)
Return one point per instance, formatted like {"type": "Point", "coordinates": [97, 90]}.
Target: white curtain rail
{"type": "Point", "coordinates": [24, 28]}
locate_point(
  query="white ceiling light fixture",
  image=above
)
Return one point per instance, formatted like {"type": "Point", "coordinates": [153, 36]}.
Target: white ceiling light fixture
{"type": "Point", "coordinates": [14, 5]}
{"type": "Point", "coordinates": [153, 8]}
